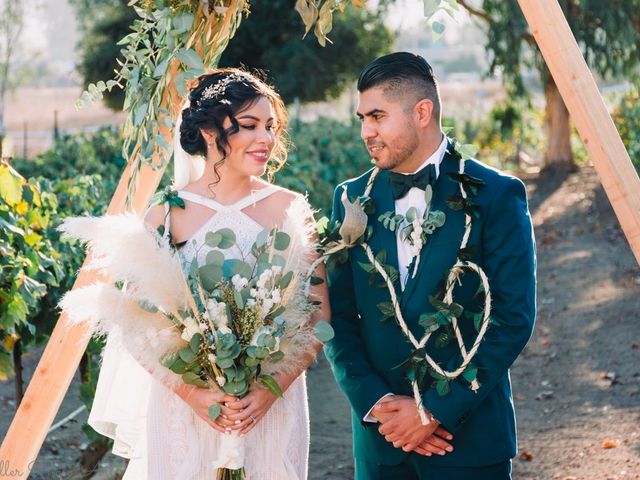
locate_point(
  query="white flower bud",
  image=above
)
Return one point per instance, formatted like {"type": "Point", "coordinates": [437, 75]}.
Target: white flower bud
{"type": "Point", "coordinates": [275, 295]}
{"type": "Point", "coordinates": [191, 327]}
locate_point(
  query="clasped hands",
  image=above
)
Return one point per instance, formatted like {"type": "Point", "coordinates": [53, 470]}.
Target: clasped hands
{"type": "Point", "coordinates": [400, 425]}
{"type": "Point", "coordinates": [236, 414]}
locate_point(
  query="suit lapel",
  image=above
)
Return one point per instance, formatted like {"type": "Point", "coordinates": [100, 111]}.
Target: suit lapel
{"type": "Point", "coordinates": [453, 227]}
{"type": "Point", "coordinates": [383, 238]}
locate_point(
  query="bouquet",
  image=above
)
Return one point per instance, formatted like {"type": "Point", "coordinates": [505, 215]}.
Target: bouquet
{"type": "Point", "coordinates": [223, 324]}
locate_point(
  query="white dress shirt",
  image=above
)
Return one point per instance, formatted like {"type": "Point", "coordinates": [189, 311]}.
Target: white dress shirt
{"type": "Point", "coordinates": [413, 198]}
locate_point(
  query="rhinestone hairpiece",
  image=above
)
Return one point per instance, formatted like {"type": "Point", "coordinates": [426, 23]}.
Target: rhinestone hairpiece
{"type": "Point", "coordinates": [219, 88]}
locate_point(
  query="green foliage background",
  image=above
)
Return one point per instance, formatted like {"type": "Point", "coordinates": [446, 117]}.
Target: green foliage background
{"type": "Point", "coordinates": [627, 120]}
{"type": "Point", "coordinates": [270, 39]}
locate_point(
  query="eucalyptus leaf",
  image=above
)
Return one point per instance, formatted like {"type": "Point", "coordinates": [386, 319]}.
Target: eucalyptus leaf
{"type": "Point", "coordinates": [194, 379]}
{"type": "Point", "coordinates": [411, 214]}
{"type": "Point", "coordinates": [387, 309]}
{"type": "Point", "coordinates": [270, 383]}
{"type": "Point", "coordinates": [213, 239]}
{"type": "Point", "coordinates": [442, 387]}
{"type": "Point", "coordinates": [470, 373]}
{"type": "Point", "coordinates": [175, 364]}
{"type": "Point", "coordinates": [210, 276]}
{"type": "Point", "coordinates": [190, 58]}
{"type": "Point", "coordinates": [215, 257]}
{"type": "Point", "coordinates": [228, 238]}
{"type": "Point", "coordinates": [276, 356]}
{"type": "Point", "coordinates": [238, 389]}
{"type": "Point", "coordinates": [236, 267]}
{"type": "Point", "coordinates": [147, 306]}
{"type": "Point", "coordinates": [278, 261]}
{"type": "Point", "coordinates": [182, 22]}
{"type": "Point", "coordinates": [282, 241]}
{"type": "Point", "coordinates": [214, 411]}
{"type": "Point", "coordinates": [195, 342]}
{"type": "Point", "coordinates": [429, 323]}
{"type": "Point", "coordinates": [324, 331]}
{"type": "Point", "coordinates": [237, 297]}
{"type": "Point", "coordinates": [286, 280]}
{"type": "Point", "coordinates": [224, 362]}
{"type": "Point", "coordinates": [187, 355]}
{"type": "Point", "coordinates": [261, 239]}
{"type": "Point", "coordinates": [428, 195]}
{"type": "Point", "coordinates": [140, 113]}
{"type": "Point", "coordinates": [251, 361]}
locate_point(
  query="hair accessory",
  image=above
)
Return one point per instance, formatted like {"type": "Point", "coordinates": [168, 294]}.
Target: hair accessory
{"type": "Point", "coordinates": [219, 88]}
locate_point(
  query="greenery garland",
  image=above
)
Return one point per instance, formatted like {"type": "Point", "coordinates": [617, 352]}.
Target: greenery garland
{"type": "Point", "coordinates": [355, 231]}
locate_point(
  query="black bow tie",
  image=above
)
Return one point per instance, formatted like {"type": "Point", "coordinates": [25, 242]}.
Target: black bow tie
{"type": "Point", "coordinates": [401, 184]}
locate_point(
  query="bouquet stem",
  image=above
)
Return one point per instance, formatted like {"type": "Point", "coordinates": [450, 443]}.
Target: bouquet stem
{"type": "Point", "coordinates": [229, 474]}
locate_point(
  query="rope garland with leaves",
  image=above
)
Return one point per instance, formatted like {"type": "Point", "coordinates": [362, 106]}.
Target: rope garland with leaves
{"type": "Point", "coordinates": [354, 231]}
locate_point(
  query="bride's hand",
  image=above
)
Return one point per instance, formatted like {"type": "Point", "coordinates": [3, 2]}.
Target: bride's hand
{"type": "Point", "coordinates": [249, 410]}
{"type": "Point", "coordinates": [200, 399]}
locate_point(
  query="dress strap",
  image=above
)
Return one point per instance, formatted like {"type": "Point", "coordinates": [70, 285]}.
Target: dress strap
{"type": "Point", "coordinates": [200, 200]}
{"type": "Point", "coordinates": [254, 197]}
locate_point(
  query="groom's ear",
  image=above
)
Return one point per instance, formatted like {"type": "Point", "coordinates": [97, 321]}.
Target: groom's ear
{"type": "Point", "coordinates": [423, 112]}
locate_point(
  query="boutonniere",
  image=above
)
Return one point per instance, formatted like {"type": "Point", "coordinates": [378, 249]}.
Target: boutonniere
{"type": "Point", "coordinates": [414, 229]}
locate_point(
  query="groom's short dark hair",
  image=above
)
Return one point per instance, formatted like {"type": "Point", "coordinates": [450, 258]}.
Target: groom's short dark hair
{"type": "Point", "coordinates": [402, 74]}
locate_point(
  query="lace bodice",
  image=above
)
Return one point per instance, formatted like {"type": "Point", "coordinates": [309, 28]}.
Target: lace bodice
{"type": "Point", "coordinates": [230, 216]}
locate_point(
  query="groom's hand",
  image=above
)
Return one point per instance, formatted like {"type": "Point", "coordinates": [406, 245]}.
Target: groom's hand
{"type": "Point", "coordinates": [405, 430]}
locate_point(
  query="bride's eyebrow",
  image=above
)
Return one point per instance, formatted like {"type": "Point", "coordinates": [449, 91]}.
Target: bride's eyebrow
{"type": "Point", "coordinates": [251, 117]}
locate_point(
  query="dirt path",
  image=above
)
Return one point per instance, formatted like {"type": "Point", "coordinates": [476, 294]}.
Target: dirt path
{"type": "Point", "coordinates": [576, 386]}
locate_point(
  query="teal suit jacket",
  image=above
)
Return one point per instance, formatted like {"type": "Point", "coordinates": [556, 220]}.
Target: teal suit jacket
{"type": "Point", "coordinates": [365, 351]}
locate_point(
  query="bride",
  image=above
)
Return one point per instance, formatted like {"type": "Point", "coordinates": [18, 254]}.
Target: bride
{"type": "Point", "coordinates": [231, 133]}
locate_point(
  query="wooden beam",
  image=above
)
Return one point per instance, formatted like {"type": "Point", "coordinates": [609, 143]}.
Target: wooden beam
{"type": "Point", "coordinates": [61, 356]}
{"type": "Point", "coordinates": [589, 113]}
{"type": "Point", "coordinates": [67, 343]}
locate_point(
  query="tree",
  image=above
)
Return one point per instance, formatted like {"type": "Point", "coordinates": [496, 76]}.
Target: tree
{"type": "Point", "coordinates": [103, 24]}
{"type": "Point", "coordinates": [11, 21]}
{"type": "Point", "coordinates": [607, 32]}
{"type": "Point", "coordinates": [270, 39]}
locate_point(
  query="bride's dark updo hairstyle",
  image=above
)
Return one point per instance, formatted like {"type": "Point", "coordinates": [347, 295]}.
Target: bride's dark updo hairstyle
{"type": "Point", "coordinates": [208, 110]}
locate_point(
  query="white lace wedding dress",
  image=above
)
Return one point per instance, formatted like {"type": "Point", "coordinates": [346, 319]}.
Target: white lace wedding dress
{"type": "Point", "coordinates": [159, 432]}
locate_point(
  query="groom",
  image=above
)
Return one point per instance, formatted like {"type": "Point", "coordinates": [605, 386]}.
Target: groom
{"type": "Point", "coordinates": [471, 435]}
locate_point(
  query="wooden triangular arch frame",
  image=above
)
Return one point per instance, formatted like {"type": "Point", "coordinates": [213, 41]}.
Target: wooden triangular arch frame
{"type": "Point", "coordinates": [577, 86]}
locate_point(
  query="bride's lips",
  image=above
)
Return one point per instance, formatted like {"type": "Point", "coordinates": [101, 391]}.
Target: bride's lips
{"type": "Point", "coordinates": [259, 155]}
